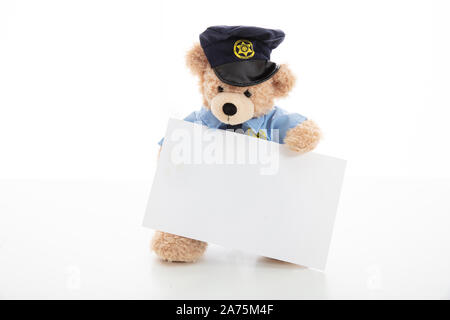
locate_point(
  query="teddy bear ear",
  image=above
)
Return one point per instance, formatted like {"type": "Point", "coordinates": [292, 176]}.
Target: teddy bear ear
{"type": "Point", "coordinates": [196, 60]}
{"type": "Point", "coordinates": [283, 81]}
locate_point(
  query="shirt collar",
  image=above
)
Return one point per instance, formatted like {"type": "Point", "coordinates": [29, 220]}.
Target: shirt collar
{"type": "Point", "coordinates": [255, 123]}
{"type": "Point", "coordinates": [211, 121]}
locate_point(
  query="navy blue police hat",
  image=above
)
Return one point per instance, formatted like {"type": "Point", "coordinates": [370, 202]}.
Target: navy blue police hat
{"type": "Point", "coordinates": [240, 55]}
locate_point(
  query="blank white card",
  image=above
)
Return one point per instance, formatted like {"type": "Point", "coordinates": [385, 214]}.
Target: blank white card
{"type": "Point", "coordinates": [245, 193]}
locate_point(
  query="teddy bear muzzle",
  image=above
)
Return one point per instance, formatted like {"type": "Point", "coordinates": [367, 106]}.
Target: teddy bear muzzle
{"type": "Point", "coordinates": [232, 108]}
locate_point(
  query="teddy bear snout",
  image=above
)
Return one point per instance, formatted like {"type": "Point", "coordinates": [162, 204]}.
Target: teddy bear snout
{"type": "Point", "coordinates": [229, 109]}
{"type": "Point", "coordinates": [232, 107]}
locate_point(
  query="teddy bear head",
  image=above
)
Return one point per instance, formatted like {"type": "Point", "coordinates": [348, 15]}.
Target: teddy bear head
{"type": "Point", "coordinates": [233, 104]}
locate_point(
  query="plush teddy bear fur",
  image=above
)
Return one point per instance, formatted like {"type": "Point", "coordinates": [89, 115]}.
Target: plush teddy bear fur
{"type": "Point", "coordinates": [302, 138]}
{"type": "Point", "coordinates": [171, 247]}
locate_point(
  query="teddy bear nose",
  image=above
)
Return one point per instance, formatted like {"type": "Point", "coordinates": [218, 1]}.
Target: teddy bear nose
{"type": "Point", "coordinates": [229, 109]}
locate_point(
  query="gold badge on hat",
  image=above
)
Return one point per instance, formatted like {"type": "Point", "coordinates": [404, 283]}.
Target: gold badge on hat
{"type": "Point", "coordinates": [243, 49]}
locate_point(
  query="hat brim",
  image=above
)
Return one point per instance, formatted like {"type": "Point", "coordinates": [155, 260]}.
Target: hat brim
{"type": "Point", "coordinates": [246, 73]}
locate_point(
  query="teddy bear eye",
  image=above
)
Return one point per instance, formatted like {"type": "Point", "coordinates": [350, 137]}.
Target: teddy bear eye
{"type": "Point", "coordinates": [247, 93]}
{"type": "Point", "coordinates": [220, 89]}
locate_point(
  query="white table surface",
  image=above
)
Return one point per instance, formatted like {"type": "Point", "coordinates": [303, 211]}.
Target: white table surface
{"type": "Point", "coordinates": [84, 240]}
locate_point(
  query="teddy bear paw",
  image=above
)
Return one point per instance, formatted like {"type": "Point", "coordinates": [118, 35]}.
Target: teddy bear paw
{"type": "Point", "coordinates": [304, 137]}
{"type": "Point", "coordinates": [173, 248]}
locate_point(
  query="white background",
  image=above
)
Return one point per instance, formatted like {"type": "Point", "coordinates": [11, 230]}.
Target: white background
{"type": "Point", "coordinates": [86, 88]}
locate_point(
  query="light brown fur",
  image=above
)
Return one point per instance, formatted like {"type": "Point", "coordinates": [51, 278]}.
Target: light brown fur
{"type": "Point", "coordinates": [173, 248]}
{"type": "Point", "coordinates": [301, 139]}
{"type": "Point", "coordinates": [304, 137]}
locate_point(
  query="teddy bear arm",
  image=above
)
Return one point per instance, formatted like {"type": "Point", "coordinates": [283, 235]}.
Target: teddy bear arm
{"type": "Point", "coordinates": [304, 137]}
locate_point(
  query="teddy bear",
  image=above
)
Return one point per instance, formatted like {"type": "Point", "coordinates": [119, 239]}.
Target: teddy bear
{"type": "Point", "coordinates": [239, 84]}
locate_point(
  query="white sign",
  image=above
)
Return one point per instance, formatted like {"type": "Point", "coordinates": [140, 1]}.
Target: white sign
{"type": "Point", "coordinates": [245, 193]}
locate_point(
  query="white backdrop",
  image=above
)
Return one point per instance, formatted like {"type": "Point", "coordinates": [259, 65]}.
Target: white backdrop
{"type": "Point", "coordinates": [87, 87]}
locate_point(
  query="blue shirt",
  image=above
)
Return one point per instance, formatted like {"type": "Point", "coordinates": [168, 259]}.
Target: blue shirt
{"type": "Point", "coordinates": [271, 126]}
